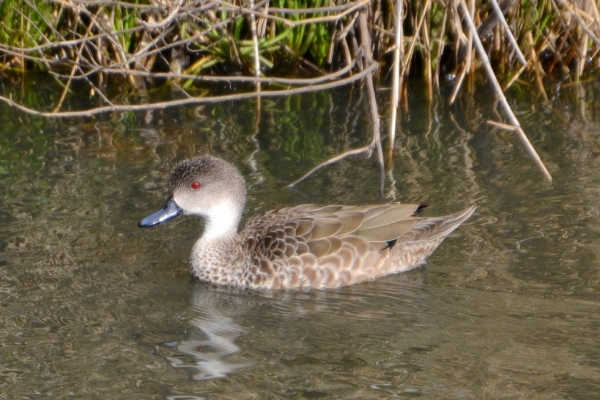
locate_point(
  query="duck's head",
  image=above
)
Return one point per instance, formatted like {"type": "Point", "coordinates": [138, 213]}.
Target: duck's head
{"type": "Point", "coordinates": [205, 186]}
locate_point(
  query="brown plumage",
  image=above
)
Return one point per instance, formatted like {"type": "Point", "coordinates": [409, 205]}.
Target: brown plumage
{"type": "Point", "coordinates": [304, 246]}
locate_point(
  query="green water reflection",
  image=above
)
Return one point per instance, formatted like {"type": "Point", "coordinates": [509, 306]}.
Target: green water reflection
{"type": "Point", "coordinates": [93, 307]}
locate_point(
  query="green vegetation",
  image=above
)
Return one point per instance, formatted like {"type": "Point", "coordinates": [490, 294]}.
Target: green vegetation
{"type": "Point", "coordinates": [146, 44]}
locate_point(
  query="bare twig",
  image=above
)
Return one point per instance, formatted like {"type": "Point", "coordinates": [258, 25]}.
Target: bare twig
{"type": "Point", "coordinates": [189, 101]}
{"type": "Point", "coordinates": [340, 12]}
{"type": "Point", "coordinates": [216, 78]}
{"type": "Point", "coordinates": [502, 126]}
{"type": "Point", "coordinates": [376, 139]}
{"type": "Point", "coordinates": [318, 10]}
{"type": "Point", "coordinates": [367, 149]}
{"type": "Point", "coordinates": [173, 15]}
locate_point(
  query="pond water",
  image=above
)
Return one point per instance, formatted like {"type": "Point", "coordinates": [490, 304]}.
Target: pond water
{"type": "Point", "coordinates": [91, 306]}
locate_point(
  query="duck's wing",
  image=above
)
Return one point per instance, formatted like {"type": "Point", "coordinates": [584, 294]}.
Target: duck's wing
{"type": "Point", "coordinates": [316, 225]}
{"type": "Point", "coordinates": [376, 223]}
{"type": "Point", "coordinates": [327, 246]}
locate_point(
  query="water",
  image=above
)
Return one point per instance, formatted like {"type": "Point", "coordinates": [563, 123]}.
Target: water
{"type": "Point", "coordinates": [91, 306]}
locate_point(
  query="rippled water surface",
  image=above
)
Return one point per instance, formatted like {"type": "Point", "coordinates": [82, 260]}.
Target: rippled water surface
{"type": "Point", "coordinates": [91, 306]}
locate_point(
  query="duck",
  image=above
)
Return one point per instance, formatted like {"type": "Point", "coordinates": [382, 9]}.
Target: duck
{"type": "Point", "coordinates": [303, 246]}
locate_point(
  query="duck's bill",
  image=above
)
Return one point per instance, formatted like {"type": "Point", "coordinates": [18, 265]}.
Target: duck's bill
{"type": "Point", "coordinates": [169, 211]}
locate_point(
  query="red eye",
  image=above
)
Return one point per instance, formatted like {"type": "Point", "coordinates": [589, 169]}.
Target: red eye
{"type": "Point", "coordinates": [196, 185]}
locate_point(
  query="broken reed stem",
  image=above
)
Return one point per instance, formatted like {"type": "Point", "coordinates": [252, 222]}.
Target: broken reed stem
{"type": "Point", "coordinates": [438, 66]}
{"type": "Point", "coordinates": [376, 141]}
{"type": "Point", "coordinates": [465, 68]}
{"type": "Point", "coordinates": [396, 82]}
{"type": "Point", "coordinates": [256, 54]}
{"type": "Point", "coordinates": [427, 55]}
{"type": "Point", "coordinates": [501, 125]}
{"type": "Point", "coordinates": [508, 32]}
{"type": "Point", "coordinates": [365, 37]}
{"type": "Point", "coordinates": [507, 110]}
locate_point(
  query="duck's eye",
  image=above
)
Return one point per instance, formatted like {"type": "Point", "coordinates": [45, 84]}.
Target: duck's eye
{"type": "Point", "coordinates": [196, 185]}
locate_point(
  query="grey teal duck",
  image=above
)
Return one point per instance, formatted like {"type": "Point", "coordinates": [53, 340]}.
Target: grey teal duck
{"type": "Point", "coordinates": [304, 246]}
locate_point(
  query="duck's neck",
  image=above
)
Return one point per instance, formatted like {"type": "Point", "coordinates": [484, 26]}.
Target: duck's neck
{"type": "Point", "coordinates": [223, 261]}
{"type": "Point", "coordinates": [222, 222]}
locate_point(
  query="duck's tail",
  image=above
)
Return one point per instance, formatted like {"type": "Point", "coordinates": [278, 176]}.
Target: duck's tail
{"type": "Point", "coordinates": [449, 223]}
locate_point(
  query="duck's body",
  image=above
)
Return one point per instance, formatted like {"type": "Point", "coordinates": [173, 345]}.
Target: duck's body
{"type": "Point", "coordinates": [303, 246]}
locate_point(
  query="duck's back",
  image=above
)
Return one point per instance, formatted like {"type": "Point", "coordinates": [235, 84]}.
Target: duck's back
{"type": "Point", "coordinates": [332, 246]}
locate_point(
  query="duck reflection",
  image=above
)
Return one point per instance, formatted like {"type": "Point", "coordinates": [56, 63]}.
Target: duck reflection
{"type": "Point", "coordinates": [208, 350]}
{"type": "Point", "coordinates": [236, 329]}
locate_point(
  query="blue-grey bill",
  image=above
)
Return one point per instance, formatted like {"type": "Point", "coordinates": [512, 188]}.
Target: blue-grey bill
{"type": "Point", "coordinates": [169, 211]}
